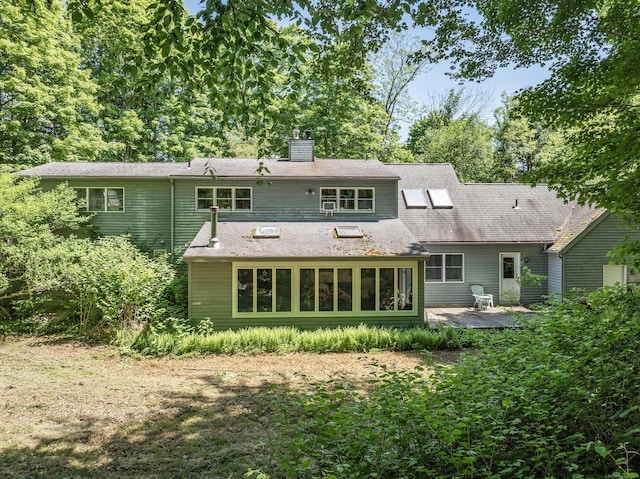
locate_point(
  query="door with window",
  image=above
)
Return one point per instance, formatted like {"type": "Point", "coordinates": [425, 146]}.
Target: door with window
{"type": "Point", "coordinates": [509, 274]}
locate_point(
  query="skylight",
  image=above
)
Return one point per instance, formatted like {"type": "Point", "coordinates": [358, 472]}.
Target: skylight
{"type": "Point", "coordinates": [349, 232]}
{"type": "Point", "coordinates": [267, 232]}
{"type": "Point", "coordinates": [440, 198]}
{"type": "Point", "coordinates": [414, 198]}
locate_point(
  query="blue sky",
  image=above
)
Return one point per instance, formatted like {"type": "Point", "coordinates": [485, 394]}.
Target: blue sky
{"type": "Point", "coordinates": [434, 82]}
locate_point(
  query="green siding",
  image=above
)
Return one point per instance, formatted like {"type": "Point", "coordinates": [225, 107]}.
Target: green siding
{"type": "Point", "coordinates": [147, 210]}
{"type": "Point", "coordinates": [210, 286]}
{"type": "Point", "coordinates": [275, 200]}
{"type": "Point", "coordinates": [583, 262]}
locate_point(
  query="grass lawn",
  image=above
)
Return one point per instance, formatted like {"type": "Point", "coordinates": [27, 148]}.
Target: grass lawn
{"type": "Point", "coordinates": [70, 410]}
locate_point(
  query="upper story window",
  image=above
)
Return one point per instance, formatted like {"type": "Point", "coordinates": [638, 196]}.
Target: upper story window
{"type": "Point", "coordinates": [226, 198]}
{"type": "Point", "coordinates": [101, 199]}
{"type": "Point", "coordinates": [349, 199]}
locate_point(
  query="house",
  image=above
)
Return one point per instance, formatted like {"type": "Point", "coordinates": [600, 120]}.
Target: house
{"type": "Point", "coordinates": [324, 242]}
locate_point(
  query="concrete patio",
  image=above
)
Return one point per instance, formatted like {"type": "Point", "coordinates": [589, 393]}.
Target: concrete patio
{"type": "Point", "coordinates": [492, 318]}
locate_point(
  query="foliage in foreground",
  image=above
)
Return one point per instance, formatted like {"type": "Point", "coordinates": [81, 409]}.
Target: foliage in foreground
{"type": "Point", "coordinates": [177, 337]}
{"type": "Point", "coordinates": [560, 398]}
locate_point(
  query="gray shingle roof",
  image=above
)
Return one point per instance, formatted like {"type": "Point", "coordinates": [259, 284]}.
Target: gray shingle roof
{"type": "Point", "coordinates": [388, 238]}
{"type": "Point", "coordinates": [578, 220]}
{"type": "Point", "coordinates": [481, 213]}
{"type": "Point", "coordinates": [320, 168]}
{"type": "Point", "coordinates": [222, 167]}
{"type": "Point", "coordinates": [69, 169]}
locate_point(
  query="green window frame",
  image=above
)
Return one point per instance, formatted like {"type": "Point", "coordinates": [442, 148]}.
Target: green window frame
{"type": "Point", "coordinates": [227, 198]}
{"type": "Point", "coordinates": [101, 199]}
{"type": "Point", "coordinates": [349, 199]}
{"type": "Point", "coordinates": [323, 289]}
{"type": "Point", "coordinates": [444, 268]}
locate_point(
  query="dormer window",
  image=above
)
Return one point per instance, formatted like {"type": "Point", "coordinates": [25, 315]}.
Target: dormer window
{"type": "Point", "coordinates": [349, 199]}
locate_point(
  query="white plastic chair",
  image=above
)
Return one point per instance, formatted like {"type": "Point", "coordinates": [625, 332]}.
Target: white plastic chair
{"type": "Point", "coordinates": [482, 300]}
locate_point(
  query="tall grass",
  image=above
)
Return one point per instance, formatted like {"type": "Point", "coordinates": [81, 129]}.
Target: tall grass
{"type": "Point", "coordinates": [284, 340]}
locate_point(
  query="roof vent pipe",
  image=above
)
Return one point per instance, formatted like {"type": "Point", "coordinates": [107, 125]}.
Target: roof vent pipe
{"type": "Point", "coordinates": [516, 207]}
{"type": "Point", "coordinates": [214, 242]}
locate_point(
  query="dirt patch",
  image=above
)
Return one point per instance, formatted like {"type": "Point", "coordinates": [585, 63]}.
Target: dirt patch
{"type": "Point", "coordinates": [68, 410]}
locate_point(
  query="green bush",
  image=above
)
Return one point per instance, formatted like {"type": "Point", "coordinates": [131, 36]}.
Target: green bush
{"type": "Point", "coordinates": [180, 337]}
{"type": "Point", "coordinates": [559, 398]}
{"type": "Point", "coordinates": [110, 284]}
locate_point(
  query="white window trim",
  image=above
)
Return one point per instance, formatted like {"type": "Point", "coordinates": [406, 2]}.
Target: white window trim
{"type": "Point", "coordinates": [295, 285]}
{"type": "Point", "coordinates": [214, 190]}
{"type": "Point", "coordinates": [444, 269]}
{"type": "Point", "coordinates": [106, 199]}
{"type": "Point", "coordinates": [355, 209]}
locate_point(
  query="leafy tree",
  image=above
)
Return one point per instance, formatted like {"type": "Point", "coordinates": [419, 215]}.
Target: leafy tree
{"type": "Point", "coordinates": [146, 114]}
{"type": "Point", "coordinates": [31, 227]}
{"type": "Point", "coordinates": [396, 65]}
{"type": "Point", "coordinates": [446, 135]}
{"type": "Point", "coordinates": [46, 101]}
{"type": "Point", "coordinates": [520, 145]}
{"type": "Point", "coordinates": [233, 48]}
{"type": "Point", "coordinates": [592, 94]}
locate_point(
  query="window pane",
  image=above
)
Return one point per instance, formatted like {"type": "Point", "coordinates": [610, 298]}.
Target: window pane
{"type": "Point", "coordinates": [81, 195]}
{"type": "Point", "coordinates": [243, 199]}
{"type": "Point", "coordinates": [345, 289]}
{"type": "Point", "coordinates": [96, 199]}
{"type": "Point", "coordinates": [508, 268]}
{"type": "Point", "coordinates": [264, 289]}
{"type": "Point", "coordinates": [283, 290]}
{"type": "Point", "coordinates": [307, 290]}
{"type": "Point", "coordinates": [453, 271]}
{"type": "Point", "coordinates": [224, 198]}
{"type": "Point", "coordinates": [405, 288]}
{"type": "Point", "coordinates": [204, 198]}
{"type": "Point", "coordinates": [115, 199]}
{"type": "Point", "coordinates": [328, 194]}
{"type": "Point", "coordinates": [433, 270]}
{"type": "Point", "coordinates": [365, 199]}
{"type": "Point", "coordinates": [245, 290]}
{"type": "Point", "coordinates": [387, 289]}
{"type": "Point", "coordinates": [368, 289]}
{"type": "Point", "coordinates": [348, 199]}
{"type": "Point", "coordinates": [325, 289]}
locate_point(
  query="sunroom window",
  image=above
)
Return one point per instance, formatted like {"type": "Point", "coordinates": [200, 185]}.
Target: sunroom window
{"type": "Point", "coordinates": [323, 290]}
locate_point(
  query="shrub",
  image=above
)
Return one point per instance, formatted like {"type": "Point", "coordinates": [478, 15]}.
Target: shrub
{"type": "Point", "coordinates": [560, 398]}
{"type": "Point", "coordinates": [110, 284]}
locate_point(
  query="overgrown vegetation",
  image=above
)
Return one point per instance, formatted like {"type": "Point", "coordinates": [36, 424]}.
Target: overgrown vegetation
{"type": "Point", "coordinates": [51, 280]}
{"type": "Point", "coordinates": [560, 398]}
{"type": "Point", "coordinates": [179, 337]}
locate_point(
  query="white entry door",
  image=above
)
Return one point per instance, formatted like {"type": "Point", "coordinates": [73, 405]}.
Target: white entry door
{"type": "Point", "coordinates": [509, 274]}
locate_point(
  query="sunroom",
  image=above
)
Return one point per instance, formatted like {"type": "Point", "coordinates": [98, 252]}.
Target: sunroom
{"type": "Point", "coordinates": [309, 275]}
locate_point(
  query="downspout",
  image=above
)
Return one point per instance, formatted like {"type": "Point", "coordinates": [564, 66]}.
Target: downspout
{"type": "Point", "coordinates": [172, 214]}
